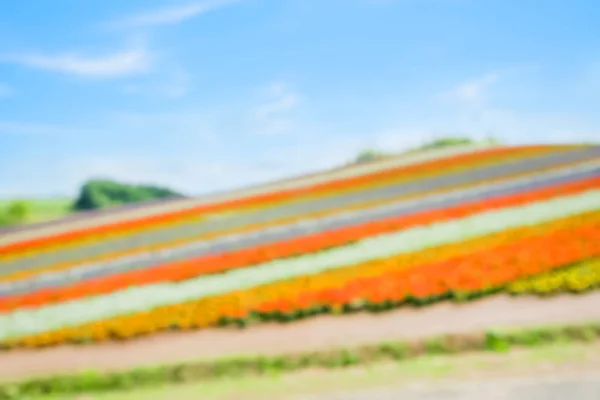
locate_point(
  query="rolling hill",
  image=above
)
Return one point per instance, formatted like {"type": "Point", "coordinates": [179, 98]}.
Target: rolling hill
{"type": "Point", "coordinates": [444, 225]}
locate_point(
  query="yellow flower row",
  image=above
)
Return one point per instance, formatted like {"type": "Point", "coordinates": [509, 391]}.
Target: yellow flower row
{"type": "Point", "coordinates": [577, 278]}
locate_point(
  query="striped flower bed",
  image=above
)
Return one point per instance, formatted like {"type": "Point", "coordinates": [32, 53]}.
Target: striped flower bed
{"type": "Point", "coordinates": [409, 171]}
{"type": "Point", "coordinates": [165, 227]}
{"type": "Point", "coordinates": [61, 274]}
{"type": "Point", "coordinates": [308, 244]}
{"type": "Point", "coordinates": [509, 232]}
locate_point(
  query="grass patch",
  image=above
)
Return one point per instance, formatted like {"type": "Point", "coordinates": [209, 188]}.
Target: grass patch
{"type": "Point", "coordinates": [43, 209]}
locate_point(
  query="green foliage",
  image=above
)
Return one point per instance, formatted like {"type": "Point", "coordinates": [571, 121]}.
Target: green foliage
{"type": "Point", "coordinates": [368, 156]}
{"type": "Point", "coordinates": [446, 142]}
{"type": "Point", "coordinates": [394, 350]}
{"type": "Point", "coordinates": [436, 346]}
{"type": "Point", "coordinates": [497, 341]}
{"type": "Point", "coordinates": [17, 212]}
{"type": "Point", "coordinates": [97, 194]}
{"type": "Point", "coordinates": [345, 358]}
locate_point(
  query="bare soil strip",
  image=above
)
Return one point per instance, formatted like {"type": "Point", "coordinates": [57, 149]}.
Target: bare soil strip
{"type": "Point", "coordinates": [320, 333]}
{"type": "Point", "coordinates": [550, 387]}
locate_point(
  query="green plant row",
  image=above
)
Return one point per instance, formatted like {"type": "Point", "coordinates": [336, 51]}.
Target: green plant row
{"type": "Point", "coordinates": [495, 340]}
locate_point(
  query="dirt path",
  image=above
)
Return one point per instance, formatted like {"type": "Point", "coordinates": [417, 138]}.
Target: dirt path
{"type": "Point", "coordinates": [551, 387]}
{"type": "Point", "coordinates": [313, 334]}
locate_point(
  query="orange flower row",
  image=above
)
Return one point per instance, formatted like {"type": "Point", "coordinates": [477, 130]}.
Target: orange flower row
{"type": "Point", "coordinates": [223, 262]}
{"type": "Point", "coordinates": [473, 272]}
{"type": "Point", "coordinates": [288, 194]}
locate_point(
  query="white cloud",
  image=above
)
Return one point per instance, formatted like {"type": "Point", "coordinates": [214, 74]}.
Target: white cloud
{"type": "Point", "coordinates": [471, 111]}
{"type": "Point", "coordinates": [5, 90]}
{"type": "Point", "coordinates": [471, 91]}
{"type": "Point", "coordinates": [474, 90]}
{"type": "Point", "coordinates": [187, 174]}
{"type": "Point", "coordinates": [121, 63]}
{"type": "Point", "coordinates": [519, 126]}
{"type": "Point", "coordinates": [170, 15]}
{"type": "Point", "coordinates": [198, 156]}
{"type": "Point", "coordinates": [273, 114]}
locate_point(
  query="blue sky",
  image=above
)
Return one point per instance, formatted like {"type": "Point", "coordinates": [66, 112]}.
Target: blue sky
{"type": "Point", "coordinates": [208, 95]}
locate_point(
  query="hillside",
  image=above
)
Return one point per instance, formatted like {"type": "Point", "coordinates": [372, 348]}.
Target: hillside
{"type": "Point", "coordinates": [451, 225]}
{"type": "Point", "coordinates": [101, 200]}
{"type": "Point", "coordinates": [85, 219]}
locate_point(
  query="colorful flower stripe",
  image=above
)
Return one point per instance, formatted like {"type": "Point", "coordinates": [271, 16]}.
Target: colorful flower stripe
{"type": "Point", "coordinates": [136, 299]}
{"type": "Point", "coordinates": [24, 271]}
{"type": "Point", "coordinates": [409, 172]}
{"type": "Point", "coordinates": [287, 183]}
{"type": "Point", "coordinates": [181, 223]}
{"type": "Point", "coordinates": [459, 195]}
{"type": "Point", "coordinates": [239, 259]}
{"type": "Point", "coordinates": [330, 282]}
{"type": "Point", "coordinates": [266, 236]}
{"type": "Point", "coordinates": [213, 225]}
{"type": "Point", "coordinates": [577, 278]}
{"type": "Point", "coordinates": [173, 225]}
{"type": "Point", "coordinates": [146, 256]}
{"type": "Point", "coordinates": [472, 272]}
{"type": "Point", "coordinates": [449, 267]}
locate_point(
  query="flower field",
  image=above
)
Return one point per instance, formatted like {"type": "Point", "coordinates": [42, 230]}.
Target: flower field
{"type": "Point", "coordinates": [521, 220]}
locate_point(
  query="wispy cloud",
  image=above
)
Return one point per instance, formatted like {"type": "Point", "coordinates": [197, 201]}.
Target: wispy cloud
{"type": "Point", "coordinates": [474, 90]}
{"type": "Point", "coordinates": [474, 112]}
{"type": "Point", "coordinates": [470, 91]}
{"type": "Point", "coordinates": [169, 15]}
{"type": "Point", "coordinates": [120, 63]}
{"type": "Point", "coordinates": [272, 115]}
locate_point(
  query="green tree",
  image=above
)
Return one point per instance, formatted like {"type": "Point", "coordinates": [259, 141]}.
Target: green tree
{"type": "Point", "coordinates": [97, 194]}
{"type": "Point", "coordinates": [447, 142]}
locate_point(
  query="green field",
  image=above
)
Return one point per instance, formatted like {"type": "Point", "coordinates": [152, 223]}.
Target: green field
{"type": "Point", "coordinates": [43, 209]}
